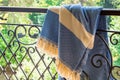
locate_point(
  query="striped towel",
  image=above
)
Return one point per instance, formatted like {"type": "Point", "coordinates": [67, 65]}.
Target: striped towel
{"type": "Point", "coordinates": [67, 35]}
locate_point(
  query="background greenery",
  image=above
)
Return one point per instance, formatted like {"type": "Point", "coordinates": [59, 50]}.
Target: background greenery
{"type": "Point", "coordinates": [37, 18]}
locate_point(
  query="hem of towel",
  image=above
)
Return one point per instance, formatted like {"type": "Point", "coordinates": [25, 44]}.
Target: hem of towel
{"type": "Point", "coordinates": [66, 72]}
{"type": "Point", "coordinates": [51, 49]}
{"type": "Point", "coordinates": [47, 47]}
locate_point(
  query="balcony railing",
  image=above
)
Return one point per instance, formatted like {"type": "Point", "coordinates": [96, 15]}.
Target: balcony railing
{"type": "Point", "coordinates": [21, 60]}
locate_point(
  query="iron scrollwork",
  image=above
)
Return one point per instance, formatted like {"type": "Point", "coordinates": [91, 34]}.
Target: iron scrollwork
{"type": "Point", "coordinates": [112, 39]}
{"type": "Point", "coordinates": [27, 32]}
{"type": "Point", "coordinates": [114, 70]}
{"type": "Point", "coordinates": [21, 47]}
{"type": "Point", "coordinates": [12, 47]}
{"type": "Point", "coordinates": [26, 49]}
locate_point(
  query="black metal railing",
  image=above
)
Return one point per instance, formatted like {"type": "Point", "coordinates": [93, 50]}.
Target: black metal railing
{"type": "Point", "coordinates": [17, 54]}
{"type": "Point", "coordinates": [21, 60]}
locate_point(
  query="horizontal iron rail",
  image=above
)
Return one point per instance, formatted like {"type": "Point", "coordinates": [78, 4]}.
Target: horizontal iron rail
{"type": "Point", "coordinates": [44, 10]}
{"type": "Point", "coordinates": [111, 31]}
{"type": "Point", "coordinates": [22, 9]}
{"type": "Point", "coordinates": [21, 24]}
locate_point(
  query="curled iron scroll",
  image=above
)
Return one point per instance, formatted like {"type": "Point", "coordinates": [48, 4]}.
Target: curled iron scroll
{"type": "Point", "coordinates": [114, 70]}
{"type": "Point", "coordinates": [113, 40]}
{"type": "Point", "coordinates": [26, 31]}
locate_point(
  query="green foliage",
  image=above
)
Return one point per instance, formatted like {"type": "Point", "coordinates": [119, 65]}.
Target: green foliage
{"type": "Point", "coordinates": [23, 3]}
{"type": "Point", "coordinates": [115, 49]}
{"type": "Point", "coordinates": [3, 2]}
{"type": "Point", "coordinates": [7, 48]}
{"type": "Point", "coordinates": [116, 3]}
{"type": "Point", "coordinates": [47, 3]}
{"type": "Point", "coordinates": [36, 18]}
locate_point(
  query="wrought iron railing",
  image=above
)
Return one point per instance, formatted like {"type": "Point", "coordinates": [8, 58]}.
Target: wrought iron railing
{"type": "Point", "coordinates": [21, 60]}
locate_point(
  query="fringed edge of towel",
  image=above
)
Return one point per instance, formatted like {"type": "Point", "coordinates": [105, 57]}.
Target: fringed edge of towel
{"type": "Point", "coordinates": [47, 47]}
{"type": "Point", "coordinates": [52, 50]}
{"type": "Point", "coordinates": [66, 72]}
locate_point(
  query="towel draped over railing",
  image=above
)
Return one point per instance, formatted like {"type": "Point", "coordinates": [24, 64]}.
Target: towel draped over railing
{"type": "Point", "coordinates": [108, 12]}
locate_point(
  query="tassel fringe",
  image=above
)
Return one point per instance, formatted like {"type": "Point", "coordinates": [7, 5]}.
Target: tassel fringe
{"type": "Point", "coordinates": [64, 71]}
{"type": "Point", "coordinates": [52, 50]}
{"type": "Point", "coordinates": [47, 47]}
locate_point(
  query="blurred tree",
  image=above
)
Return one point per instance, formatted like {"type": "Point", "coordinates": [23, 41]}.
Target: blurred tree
{"type": "Point", "coordinates": [36, 18]}
{"type": "Point", "coordinates": [3, 2]}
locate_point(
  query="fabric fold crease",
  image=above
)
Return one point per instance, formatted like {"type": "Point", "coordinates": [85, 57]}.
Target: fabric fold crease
{"type": "Point", "coordinates": [67, 33]}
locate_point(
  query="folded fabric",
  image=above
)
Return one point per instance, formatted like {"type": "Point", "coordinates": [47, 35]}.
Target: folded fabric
{"type": "Point", "coordinates": [68, 35]}
{"type": "Point", "coordinates": [100, 48]}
